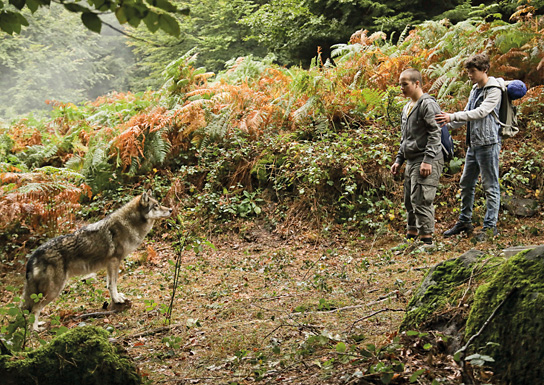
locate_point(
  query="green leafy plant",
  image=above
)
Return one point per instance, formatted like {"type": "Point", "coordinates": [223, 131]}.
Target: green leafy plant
{"type": "Point", "coordinates": [15, 323]}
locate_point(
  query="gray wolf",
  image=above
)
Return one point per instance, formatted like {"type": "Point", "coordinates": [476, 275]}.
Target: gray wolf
{"type": "Point", "coordinates": [101, 245]}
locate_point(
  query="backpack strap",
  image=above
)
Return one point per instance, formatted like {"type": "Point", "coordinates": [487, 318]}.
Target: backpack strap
{"type": "Point", "coordinates": [502, 86]}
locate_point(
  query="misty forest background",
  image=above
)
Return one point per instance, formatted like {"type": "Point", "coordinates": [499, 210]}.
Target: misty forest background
{"type": "Point", "coordinates": [57, 58]}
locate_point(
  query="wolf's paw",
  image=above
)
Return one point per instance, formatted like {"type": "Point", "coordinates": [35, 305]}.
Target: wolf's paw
{"type": "Point", "coordinates": [39, 326]}
{"type": "Point", "coordinates": [120, 306]}
{"type": "Point", "coordinates": [121, 298]}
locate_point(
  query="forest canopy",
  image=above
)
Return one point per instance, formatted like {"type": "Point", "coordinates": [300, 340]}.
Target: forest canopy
{"type": "Point", "coordinates": [154, 13]}
{"type": "Point", "coordinates": [35, 66]}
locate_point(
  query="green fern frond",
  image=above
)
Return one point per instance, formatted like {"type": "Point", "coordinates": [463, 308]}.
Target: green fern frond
{"type": "Point", "coordinates": [306, 110]}
{"type": "Point", "coordinates": [344, 52]}
{"type": "Point", "coordinates": [215, 132]}
{"type": "Point", "coordinates": [75, 163]}
{"type": "Point", "coordinates": [156, 148]}
{"type": "Point", "coordinates": [61, 173]}
{"type": "Point", "coordinates": [38, 155]}
{"type": "Point", "coordinates": [97, 170]}
{"type": "Point", "coordinates": [6, 145]}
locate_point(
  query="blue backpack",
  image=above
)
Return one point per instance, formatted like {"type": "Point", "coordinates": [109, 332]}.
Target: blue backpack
{"type": "Point", "coordinates": [507, 117]}
{"type": "Point", "coordinates": [448, 146]}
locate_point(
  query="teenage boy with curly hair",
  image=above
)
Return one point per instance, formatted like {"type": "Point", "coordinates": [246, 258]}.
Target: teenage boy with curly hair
{"type": "Point", "coordinates": [483, 147]}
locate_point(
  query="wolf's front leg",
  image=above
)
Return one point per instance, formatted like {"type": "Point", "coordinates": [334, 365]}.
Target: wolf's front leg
{"type": "Point", "coordinates": [113, 272]}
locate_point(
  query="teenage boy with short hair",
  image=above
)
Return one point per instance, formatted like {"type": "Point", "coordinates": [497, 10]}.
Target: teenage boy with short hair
{"type": "Point", "coordinates": [421, 148]}
{"type": "Point", "coordinates": [484, 145]}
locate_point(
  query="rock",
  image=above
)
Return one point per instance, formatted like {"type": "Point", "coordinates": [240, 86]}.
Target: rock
{"type": "Point", "coordinates": [435, 292]}
{"type": "Point", "coordinates": [520, 207]}
{"type": "Point", "coordinates": [82, 356]}
{"type": "Point", "coordinates": [511, 336]}
{"type": "Point", "coordinates": [511, 251]}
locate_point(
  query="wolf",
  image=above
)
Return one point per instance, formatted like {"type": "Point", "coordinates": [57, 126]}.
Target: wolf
{"type": "Point", "coordinates": [100, 245]}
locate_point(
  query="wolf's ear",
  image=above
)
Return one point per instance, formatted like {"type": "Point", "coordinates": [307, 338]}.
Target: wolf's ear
{"type": "Point", "coordinates": [145, 197]}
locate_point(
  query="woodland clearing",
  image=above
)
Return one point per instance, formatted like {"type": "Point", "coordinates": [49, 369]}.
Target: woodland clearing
{"type": "Point", "coordinates": [261, 307]}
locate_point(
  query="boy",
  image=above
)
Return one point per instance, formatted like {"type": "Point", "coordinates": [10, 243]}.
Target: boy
{"type": "Point", "coordinates": [421, 147]}
{"type": "Point", "coordinates": [484, 145]}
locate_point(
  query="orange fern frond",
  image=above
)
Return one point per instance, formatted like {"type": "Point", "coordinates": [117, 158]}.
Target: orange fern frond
{"type": "Point", "coordinates": [185, 121]}
{"type": "Point", "coordinates": [41, 203]}
{"type": "Point", "coordinates": [128, 145]}
{"type": "Point", "coordinates": [130, 142]}
{"type": "Point", "coordinates": [236, 64]}
{"type": "Point", "coordinates": [198, 92]}
{"type": "Point", "coordinates": [540, 65]}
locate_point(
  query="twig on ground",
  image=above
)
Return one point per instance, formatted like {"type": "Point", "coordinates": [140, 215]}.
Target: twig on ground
{"type": "Point", "coordinates": [177, 270]}
{"type": "Point", "coordinates": [198, 379]}
{"type": "Point", "coordinates": [273, 298]}
{"type": "Point", "coordinates": [311, 267]}
{"type": "Point", "coordinates": [372, 315]}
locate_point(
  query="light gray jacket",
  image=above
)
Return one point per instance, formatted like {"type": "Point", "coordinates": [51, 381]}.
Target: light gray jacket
{"type": "Point", "coordinates": [421, 135]}
{"type": "Point", "coordinates": [482, 127]}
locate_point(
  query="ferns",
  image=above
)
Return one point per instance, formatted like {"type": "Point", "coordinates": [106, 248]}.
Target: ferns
{"type": "Point", "coordinates": [215, 131]}
{"type": "Point", "coordinates": [38, 155]}
{"type": "Point", "coordinates": [42, 201]}
{"type": "Point", "coordinates": [96, 169]}
{"type": "Point", "coordinates": [245, 69]}
{"type": "Point", "coordinates": [122, 137]}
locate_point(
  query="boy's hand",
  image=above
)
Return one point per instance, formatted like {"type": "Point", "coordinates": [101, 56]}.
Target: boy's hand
{"type": "Point", "coordinates": [395, 168]}
{"type": "Point", "coordinates": [442, 118]}
{"type": "Point", "coordinates": [425, 169]}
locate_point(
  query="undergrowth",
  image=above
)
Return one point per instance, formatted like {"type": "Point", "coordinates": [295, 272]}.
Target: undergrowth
{"type": "Point", "coordinates": [311, 147]}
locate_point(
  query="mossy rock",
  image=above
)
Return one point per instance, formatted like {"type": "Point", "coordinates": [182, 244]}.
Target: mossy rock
{"type": "Point", "coordinates": [511, 336]}
{"type": "Point", "coordinates": [82, 356]}
{"type": "Point", "coordinates": [437, 291]}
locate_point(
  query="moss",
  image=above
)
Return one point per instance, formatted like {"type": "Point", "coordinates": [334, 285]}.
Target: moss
{"type": "Point", "coordinates": [511, 336]}
{"type": "Point", "coordinates": [82, 356]}
{"type": "Point", "coordinates": [437, 289]}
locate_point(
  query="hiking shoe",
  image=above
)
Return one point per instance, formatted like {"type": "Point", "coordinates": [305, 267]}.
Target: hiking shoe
{"type": "Point", "coordinates": [486, 233]}
{"type": "Point", "coordinates": [458, 228]}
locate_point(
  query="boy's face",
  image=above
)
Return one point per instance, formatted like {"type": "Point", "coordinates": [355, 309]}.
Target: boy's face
{"type": "Point", "coordinates": [475, 75]}
{"type": "Point", "coordinates": [408, 86]}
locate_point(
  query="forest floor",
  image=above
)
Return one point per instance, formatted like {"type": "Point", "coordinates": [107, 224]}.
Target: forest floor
{"type": "Point", "coordinates": [299, 308]}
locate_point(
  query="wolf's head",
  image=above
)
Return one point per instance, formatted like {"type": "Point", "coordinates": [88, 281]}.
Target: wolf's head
{"type": "Point", "coordinates": [151, 209]}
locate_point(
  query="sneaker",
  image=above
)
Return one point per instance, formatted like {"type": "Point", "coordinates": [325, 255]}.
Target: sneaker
{"type": "Point", "coordinates": [458, 228]}
{"type": "Point", "coordinates": [410, 237]}
{"type": "Point", "coordinates": [486, 233]}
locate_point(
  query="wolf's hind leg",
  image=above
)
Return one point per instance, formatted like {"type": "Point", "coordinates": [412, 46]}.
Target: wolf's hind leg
{"type": "Point", "coordinates": [49, 292]}
{"type": "Point", "coordinates": [113, 273]}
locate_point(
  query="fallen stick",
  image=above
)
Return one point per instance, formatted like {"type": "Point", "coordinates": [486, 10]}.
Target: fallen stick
{"type": "Point", "coordinates": [372, 315]}
{"type": "Point", "coordinates": [151, 332]}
